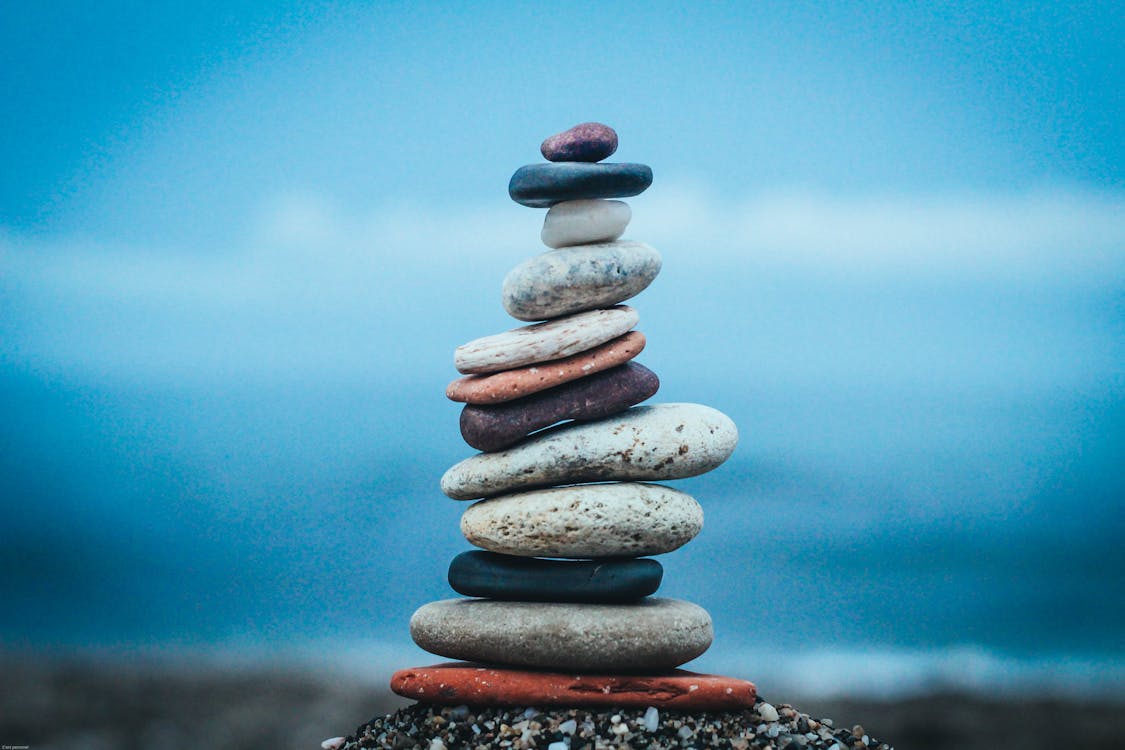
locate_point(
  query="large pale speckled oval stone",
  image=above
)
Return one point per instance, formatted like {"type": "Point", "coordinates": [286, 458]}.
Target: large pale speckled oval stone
{"type": "Point", "coordinates": [622, 519]}
{"type": "Point", "coordinates": [652, 634]}
{"type": "Point", "coordinates": [645, 443]}
{"type": "Point", "coordinates": [583, 222]}
{"type": "Point", "coordinates": [573, 279]}
{"type": "Point", "coordinates": [544, 342]}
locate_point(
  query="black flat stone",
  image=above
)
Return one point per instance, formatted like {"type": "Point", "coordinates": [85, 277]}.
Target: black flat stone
{"type": "Point", "coordinates": [544, 185]}
{"type": "Point", "coordinates": [494, 576]}
{"type": "Point", "coordinates": [498, 426]}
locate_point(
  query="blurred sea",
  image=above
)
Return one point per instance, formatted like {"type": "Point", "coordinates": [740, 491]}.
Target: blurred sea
{"type": "Point", "coordinates": [927, 492]}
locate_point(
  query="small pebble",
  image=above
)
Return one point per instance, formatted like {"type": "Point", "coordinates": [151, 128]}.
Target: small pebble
{"type": "Point", "coordinates": [334, 743]}
{"type": "Point", "coordinates": [577, 728]}
{"type": "Point", "coordinates": [587, 141]}
{"type": "Point", "coordinates": [767, 712]}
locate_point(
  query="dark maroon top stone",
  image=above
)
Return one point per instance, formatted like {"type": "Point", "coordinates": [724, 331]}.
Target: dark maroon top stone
{"type": "Point", "coordinates": [590, 141]}
{"type": "Point", "coordinates": [495, 427]}
{"type": "Point", "coordinates": [543, 185]}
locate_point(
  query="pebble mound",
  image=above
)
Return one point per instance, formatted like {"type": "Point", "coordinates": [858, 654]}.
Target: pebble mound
{"type": "Point", "coordinates": [430, 727]}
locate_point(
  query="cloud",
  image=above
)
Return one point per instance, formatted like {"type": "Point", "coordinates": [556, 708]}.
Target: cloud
{"type": "Point", "coordinates": [309, 286]}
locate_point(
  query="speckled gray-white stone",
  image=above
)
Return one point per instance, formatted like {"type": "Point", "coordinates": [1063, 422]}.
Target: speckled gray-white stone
{"type": "Point", "coordinates": [573, 279]}
{"type": "Point", "coordinates": [585, 221]}
{"type": "Point", "coordinates": [652, 634]}
{"type": "Point", "coordinates": [544, 342]}
{"type": "Point", "coordinates": [645, 443]}
{"type": "Point", "coordinates": [620, 519]}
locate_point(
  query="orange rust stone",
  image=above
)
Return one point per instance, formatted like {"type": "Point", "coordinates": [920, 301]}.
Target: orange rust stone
{"type": "Point", "coordinates": [522, 381]}
{"type": "Point", "coordinates": [456, 683]}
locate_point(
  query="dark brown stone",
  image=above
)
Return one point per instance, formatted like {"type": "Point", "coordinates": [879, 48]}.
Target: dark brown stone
{"type": "Point", "coordinates": [493, 428]}
{"type": "Point", "coordinates": [589, 141]}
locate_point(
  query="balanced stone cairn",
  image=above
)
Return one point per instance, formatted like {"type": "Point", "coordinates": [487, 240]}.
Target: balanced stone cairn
{"type": "Point", "coordinates": [560, 609]}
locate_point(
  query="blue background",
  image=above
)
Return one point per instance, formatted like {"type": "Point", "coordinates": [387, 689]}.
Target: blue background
{"type": "Point", "coordinates": [239, 242]}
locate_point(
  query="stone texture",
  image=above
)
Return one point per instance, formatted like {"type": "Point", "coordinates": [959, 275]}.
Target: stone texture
{"type": "Point", "coordinates": [620, 519]}
{"type": "Point", "coordinates": [457, 683]}
{"type": "Point", "coordinates": [506, 386]}
{"type": "Point", "coordinates": [573, 279]}
{"type": "Point", "coordinates": [544, 185]}
{"type": "Point", "coordinates": [653, 634]}
{"type": "Point", "coordinates": [588, 141]}
{"type": "Point", "coordinates": [585, 221]}
{"type": "Point", "coordinates": [662, 441]}
{"type": "Point", "coordinates": [493, 428]}
{"type": "Point", "coordinates": [493, 576]}
{"type": "Point", "coordinates": [544, 342]}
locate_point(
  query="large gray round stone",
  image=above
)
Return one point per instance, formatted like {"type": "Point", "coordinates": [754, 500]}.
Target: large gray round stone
{"type": "Point", "coordinates": [645, 443]}
{"type": "Point", "coordinates": [544, 342]}
{"type": "Point", "coordinates": [573, 279]}
{"type": "Point", "coordinates": [622, 519]}
{"type": "Point", "coordinates": [649, 635]}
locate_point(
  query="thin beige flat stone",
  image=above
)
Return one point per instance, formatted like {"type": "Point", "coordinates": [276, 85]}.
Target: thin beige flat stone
{"type": "Point", "coordinates": [524, 381]}
{"type": "Point", "coordinates": [544, 342]}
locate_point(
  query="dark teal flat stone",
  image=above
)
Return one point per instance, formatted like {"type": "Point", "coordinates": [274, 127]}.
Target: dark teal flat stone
{"type": "Point", "coordinates": [544, 185]}
{"type": "Point", "coordinates": [493, 576]}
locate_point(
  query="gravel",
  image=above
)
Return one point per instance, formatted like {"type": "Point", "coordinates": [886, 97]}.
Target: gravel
{"type": "Point", "coordinates": [436, 727]}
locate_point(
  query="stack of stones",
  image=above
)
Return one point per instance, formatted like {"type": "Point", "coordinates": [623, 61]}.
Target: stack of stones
{"type": "Point", "coordinates": [566, 519]}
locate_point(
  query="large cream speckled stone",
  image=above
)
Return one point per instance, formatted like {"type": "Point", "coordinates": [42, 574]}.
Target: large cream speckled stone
{"type": "Point", "coordinates": [621, 519]}
{"type": "Point", "coordinates": [573, 279]}
{"type": "Point", "coordinates": [649, 635]}
{"type": "Point", "coordinates": [645, 443]}
{"type": "Point", "coordinates": [582, 222]}
{"type": "Point", "coordinates": [544, 342]}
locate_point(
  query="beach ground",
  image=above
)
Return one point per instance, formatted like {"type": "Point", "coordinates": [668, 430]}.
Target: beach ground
{"type": "Point", "coordinates": [95, 704]}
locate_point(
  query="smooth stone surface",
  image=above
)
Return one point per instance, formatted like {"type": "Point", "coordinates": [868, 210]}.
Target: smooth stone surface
{"type": "Point", "coordinates": [651, 634]}
{"type": "Point", "coordinates": [544, 185]}
{"type": "Point", "coordinates": [544, 342]}
{"type": "Point", "coordinates": [587, 141]}
{"type": "Point", "coordinates": [584, 222]}
{"type": "Point", "coordinates": [493, 428]}
{"type": "Point", "coordinates": [506, 386]}
{"type": "Point", "coordinates": [657, 442]}
{"type": "Point", "coordinates": [457, 683]}
{"type": "Point", "coordinates": [493, 576]}
{"type": "Point", "coordinates": [622, 519]}
{"type": "Point", "coordinates": [573, 279]}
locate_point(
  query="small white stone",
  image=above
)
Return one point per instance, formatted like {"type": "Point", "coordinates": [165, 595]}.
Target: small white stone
{"type": "Point", "coordinates": [652, 719]}
{"type": "Point", "coordinates": [584, 221]}
{"type": "Point", "coordinates": [685, 732]}
{"type": "Point", "coordinates": [437, 744]}
{"type": "Point", "coordinates": [767, 712]}
{"type": "Point", "coordinates": [557, 746]}
{"type": "Point", "coordinates": [334, 743]}
{"type": "Point", "coordinates": [570, 726]}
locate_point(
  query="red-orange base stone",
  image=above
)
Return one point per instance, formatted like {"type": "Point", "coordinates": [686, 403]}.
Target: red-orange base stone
{"type": "Point", "coordinates": [457, 683]}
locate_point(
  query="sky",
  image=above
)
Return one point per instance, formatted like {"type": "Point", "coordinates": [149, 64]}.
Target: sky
{"type": "Point", "coordinates": [239, 242]}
